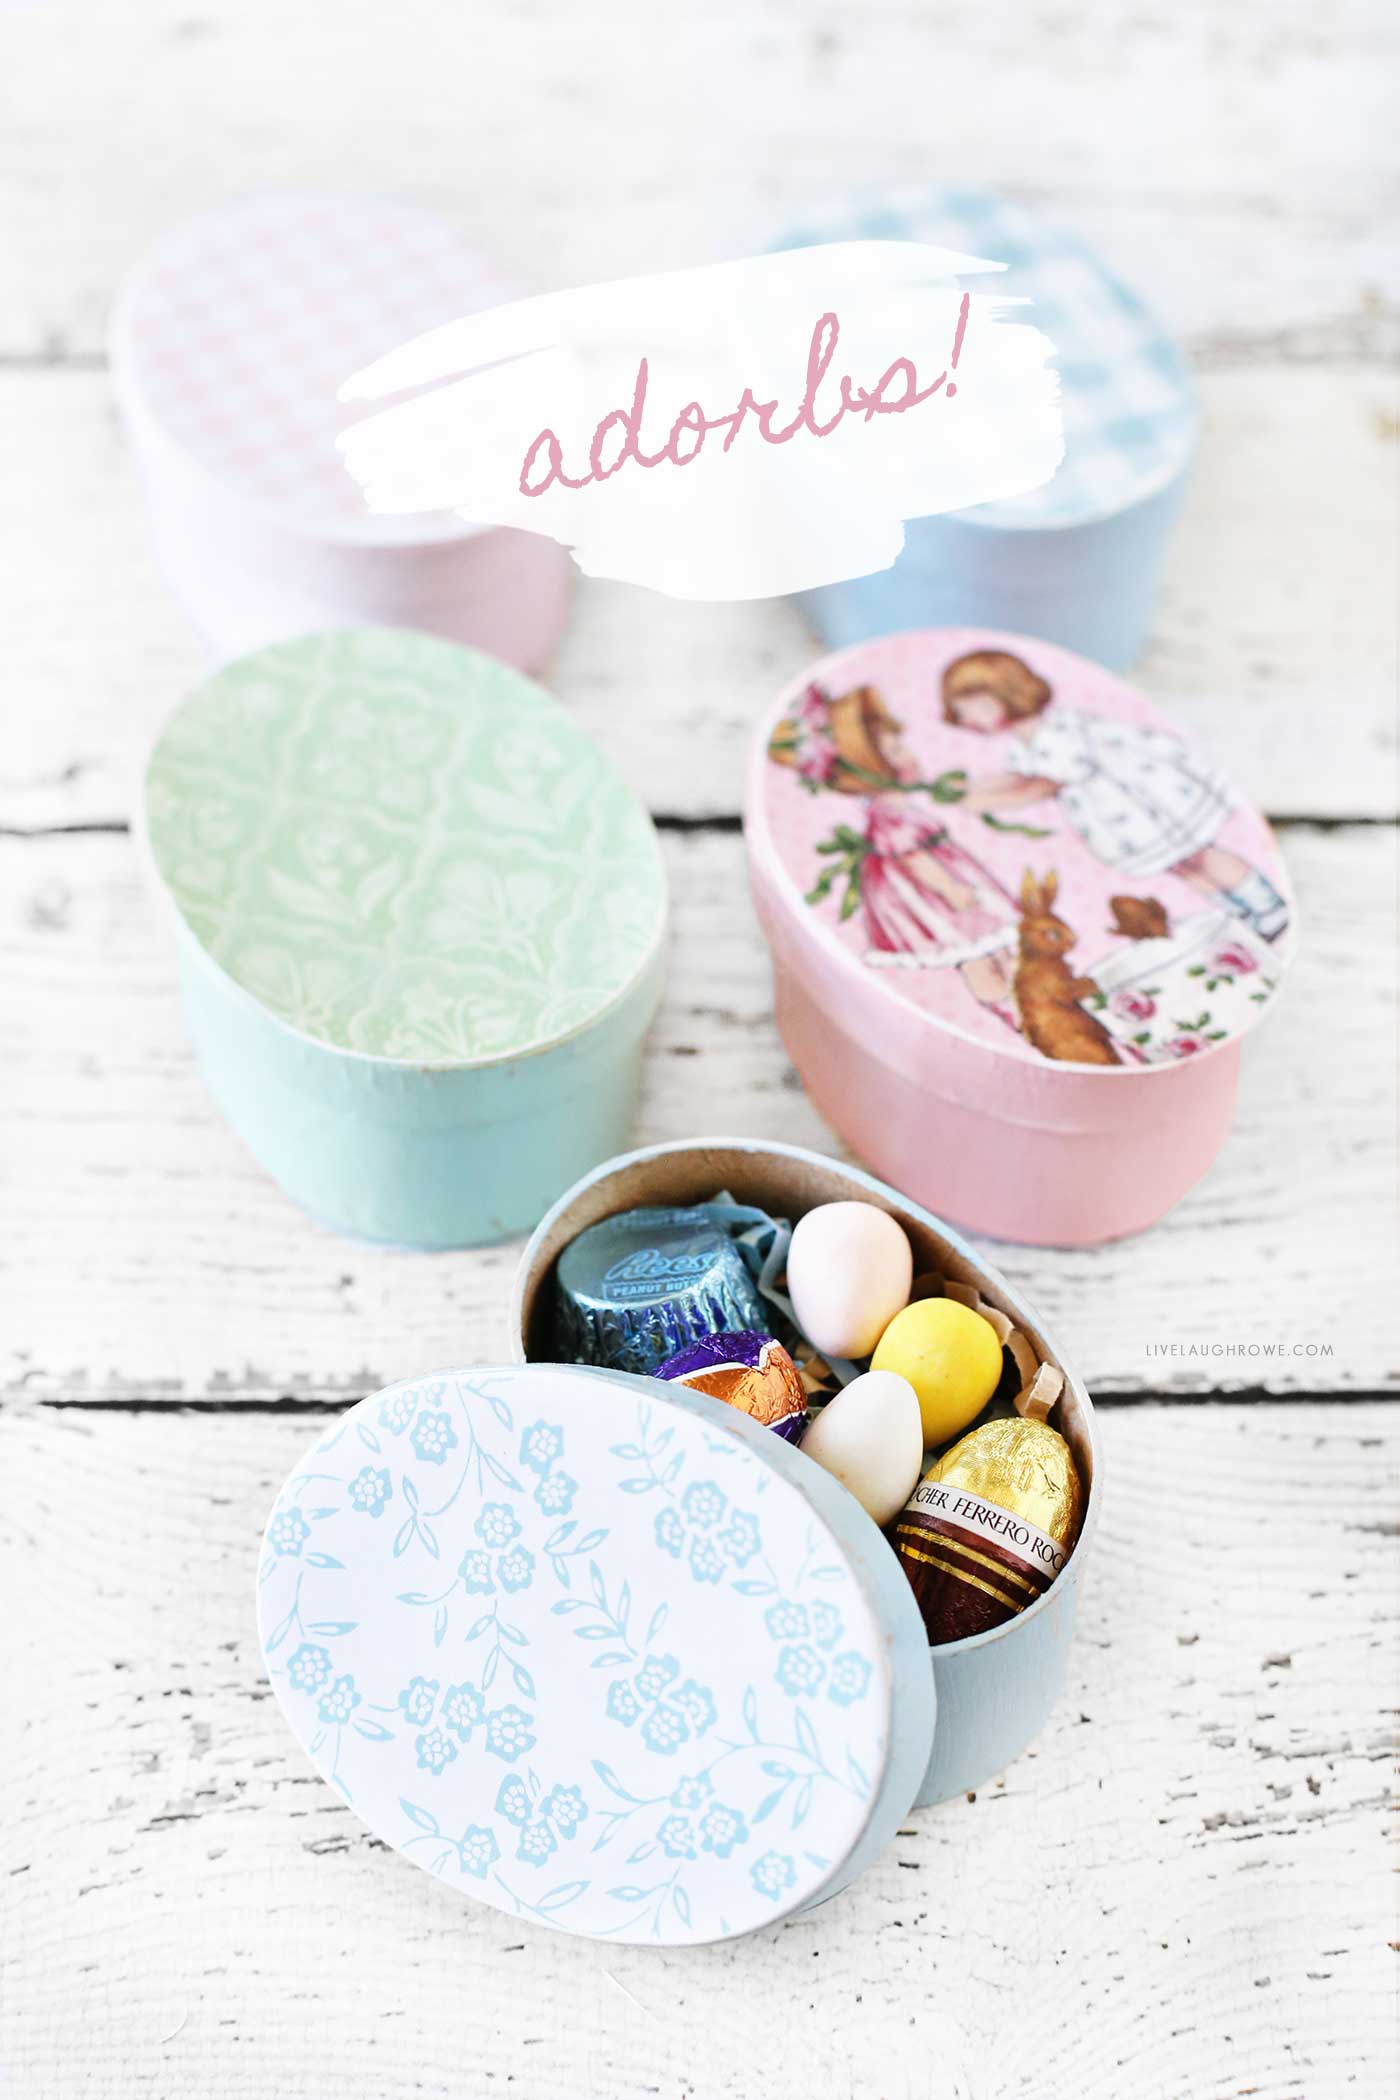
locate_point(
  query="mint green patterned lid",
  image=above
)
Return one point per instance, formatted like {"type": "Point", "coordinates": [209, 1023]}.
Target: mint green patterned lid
{"type": "Point", "coordinates": [403, 848]}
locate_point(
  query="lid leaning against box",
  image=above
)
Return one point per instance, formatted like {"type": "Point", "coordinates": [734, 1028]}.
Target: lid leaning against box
{"type": "Point", "coordinates": [229, 346]}
{"type": "Point", "coordinates": [537, 1624]}
{"type": "Point", "coordinates": [421, 927]}
{"type": "Point", "coordinates": [608, 1652]}
{"type": "Point", "coordinates": [1078, 559]}
{"type": "Point", "coordinates": [1018, 928]}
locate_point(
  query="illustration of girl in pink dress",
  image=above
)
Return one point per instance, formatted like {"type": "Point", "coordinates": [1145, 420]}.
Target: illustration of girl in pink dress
{"type": "Point", "coordinates": [926, 901]}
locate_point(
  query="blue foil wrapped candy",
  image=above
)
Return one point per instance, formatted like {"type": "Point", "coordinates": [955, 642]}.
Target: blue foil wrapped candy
{"type": "Point", "coordinates": [749, 1371]}
{"type": "Point", "coordinates": [635, 1288]}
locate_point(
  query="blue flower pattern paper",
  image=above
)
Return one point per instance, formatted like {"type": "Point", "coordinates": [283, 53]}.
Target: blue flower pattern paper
{"type": "Point", "coordinates": [613, 1674]}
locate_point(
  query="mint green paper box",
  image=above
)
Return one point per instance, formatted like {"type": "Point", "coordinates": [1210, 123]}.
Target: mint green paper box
{"type": "Point", "coordinates": [421, 927]}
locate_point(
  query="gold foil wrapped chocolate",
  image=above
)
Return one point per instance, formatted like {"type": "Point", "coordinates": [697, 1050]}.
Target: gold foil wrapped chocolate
{"type": "Point", "coordinates": [990, 1526]}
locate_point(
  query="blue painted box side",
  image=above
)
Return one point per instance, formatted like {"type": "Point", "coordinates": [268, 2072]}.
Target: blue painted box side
{"type": "Point", "coordinates": [1089, 587]}
{"type": "Point", "coordinates": [408, 1155]}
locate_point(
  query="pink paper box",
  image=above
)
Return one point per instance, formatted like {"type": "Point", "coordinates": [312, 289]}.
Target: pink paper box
{"type": "Point", "coordinates": [1018, 928]}
{"type": "Point", "coordinates": [229, 345]}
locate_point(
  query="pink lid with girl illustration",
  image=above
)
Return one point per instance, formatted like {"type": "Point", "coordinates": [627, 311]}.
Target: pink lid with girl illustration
{"type": "Point", "coordinates": [995, 878]}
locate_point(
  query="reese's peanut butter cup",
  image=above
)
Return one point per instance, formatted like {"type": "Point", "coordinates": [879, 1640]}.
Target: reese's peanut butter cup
{"type": "Point", "coordinates": [635, 1288]}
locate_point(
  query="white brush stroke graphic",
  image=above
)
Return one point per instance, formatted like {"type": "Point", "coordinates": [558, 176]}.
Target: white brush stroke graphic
{"type": "Point", "coordinates": [711, 466]}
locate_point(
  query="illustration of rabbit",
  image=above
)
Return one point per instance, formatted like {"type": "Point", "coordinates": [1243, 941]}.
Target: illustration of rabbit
{"type": "Point", "coordinates": [1047, 991]}
{"type": "Point", "coordinates": [1139, 918]}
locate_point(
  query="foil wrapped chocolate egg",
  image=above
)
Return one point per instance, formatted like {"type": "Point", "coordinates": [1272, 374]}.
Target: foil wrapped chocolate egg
{"type": "Point", "coordinates": [990, 1526]}
{"type": "Point", "coordinates": [749, 1371]}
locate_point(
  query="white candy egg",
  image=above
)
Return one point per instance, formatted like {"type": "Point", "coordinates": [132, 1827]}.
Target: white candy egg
{"type": "Point", "coordinates": [871, 1437]}
{"type": "Point", "coordinates": [849, 1270]}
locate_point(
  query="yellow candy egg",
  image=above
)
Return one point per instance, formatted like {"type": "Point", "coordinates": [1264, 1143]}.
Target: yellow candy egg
{"type": "Point", "coordinates": [951, 1357]}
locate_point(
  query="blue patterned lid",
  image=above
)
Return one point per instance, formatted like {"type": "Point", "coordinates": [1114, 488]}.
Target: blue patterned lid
{"type": "Point", "coordinates": [1131, 417]}
{"type": "Point", "coordinates": [602, 1653]}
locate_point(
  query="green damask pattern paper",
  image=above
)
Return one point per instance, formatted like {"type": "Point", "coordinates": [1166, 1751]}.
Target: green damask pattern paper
{"type": "Point", "coordinates": [404, 848]}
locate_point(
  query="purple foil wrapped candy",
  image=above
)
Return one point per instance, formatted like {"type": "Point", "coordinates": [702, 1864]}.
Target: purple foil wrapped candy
{"type": "Point", "coordinates": [749, 1371]}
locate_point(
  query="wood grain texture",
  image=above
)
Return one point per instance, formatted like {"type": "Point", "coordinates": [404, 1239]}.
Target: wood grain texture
{"type": "Point", "coordinates": [1239, 170]}
{"type": "Point", "coordinates": [156, 1261]}
{"type": "Point", "coordinates": [1178, 1892]}
{"type": "Point", "coordinates": [1275, 643]}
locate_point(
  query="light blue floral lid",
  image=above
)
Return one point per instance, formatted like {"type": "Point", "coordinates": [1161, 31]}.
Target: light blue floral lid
{"type": "Point", "coordinates": [605, 1655]}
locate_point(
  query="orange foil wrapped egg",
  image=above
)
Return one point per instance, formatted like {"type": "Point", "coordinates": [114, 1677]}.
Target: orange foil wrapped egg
{"type": "Point", "coordinates": [749, 1371]}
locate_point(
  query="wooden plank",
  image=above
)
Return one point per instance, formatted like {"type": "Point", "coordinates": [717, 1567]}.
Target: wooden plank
{"type": "Point", "coordinates": [154, 1259]}
{"type": "Point", "coordinates": [1181, 1890]}
{"type": "Point", "coordinates": [1275, 640]}
{"type": "Point", "coordinates": [1249, 166]}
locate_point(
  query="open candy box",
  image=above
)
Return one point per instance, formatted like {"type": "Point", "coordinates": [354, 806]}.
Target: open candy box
{"type": "Point", "coordinates": [608, 1653]}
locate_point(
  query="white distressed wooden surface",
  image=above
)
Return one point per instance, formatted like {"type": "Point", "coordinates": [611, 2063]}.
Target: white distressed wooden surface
{"type": "Point", "coordinates": [1180, 1894]}
{"type": "Point", "coordinates": [1238, 165]}
{"type": "Point", "coordinates": [157, 1261]}
{"type": "Point", "coordinates": [1274, 643]}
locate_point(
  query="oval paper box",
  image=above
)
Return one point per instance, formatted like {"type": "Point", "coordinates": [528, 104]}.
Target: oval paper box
{"type": "Point", "coordinates": [1076, 561]}
{"type": "Point", "coordinates": [996, 1689]}
{"type": "Point", "coordinates": [421, 927]}
{"type": "Point", "coordinates": [1018, 928]}
{"type": "Point", "coordinates": [612, 1657]}
{"type": "Point", "coordinates": [229, 345]}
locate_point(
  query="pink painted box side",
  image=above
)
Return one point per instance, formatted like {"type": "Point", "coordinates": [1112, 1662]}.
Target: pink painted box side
{"type": "Point", "coordinates": [900, 984]}
{"type": "Point", "coordinates": [229, 346]}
